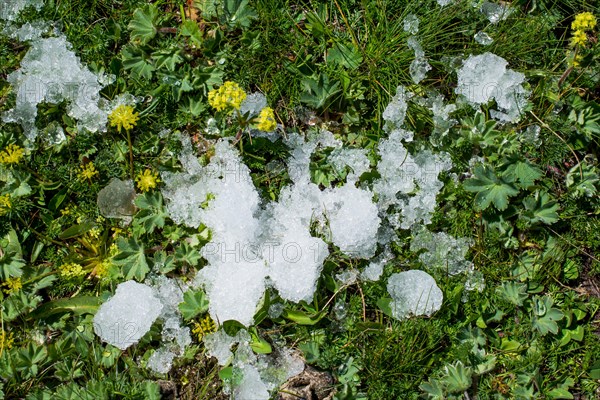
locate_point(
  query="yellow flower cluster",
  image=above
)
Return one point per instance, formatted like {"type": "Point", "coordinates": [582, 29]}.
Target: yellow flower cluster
{"type": "Point", "coordinates": [88, 171]}
{"type": "Point", "coordinates": [12, 285]}
{"type": "Point", "coordinates": [12, 154]}
{"type": "Point", "coordinates": [71, 270]}
{"type": "Point", "coordinates": [123, 117]}
{"type": "Point", "coordinates": [147, 180]}
{"type": "Point", "coordinates": [6, 340]}
{"type": "Point", "coordinates": [4, 204]}
{"type": "Point", "coordinates": [583, 22]}
{"type": "Point", "coordinates": [266, 120]}
{"type": "Point", "coordinates": [203, 327]}
{"type": "Point", "coordinates": [101, 269]}
{"type": "Point", "coordinates": [228, 95]}
{"type": "Point", "coordinates": [94, 233]}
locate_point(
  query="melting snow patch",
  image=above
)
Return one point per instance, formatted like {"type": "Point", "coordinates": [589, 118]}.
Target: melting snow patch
{"type": "Point", "coordinates": [50, 72]}
{"type": "Point", "coordinates": [128, 315]}
{"type": "Point", "coordinates": [414, 293]}
{"type": "Point", "coordinates": [444, 252]}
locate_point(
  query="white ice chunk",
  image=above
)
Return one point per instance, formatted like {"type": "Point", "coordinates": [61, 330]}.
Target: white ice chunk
{"type": "Point", "coordinates": [251, 386]}
{"type": "Point", "coordinates": [356, 159]}
{"type": "Point", "coordinates": [495, 12]}
{"type": "Point", "coordinates": [444, 3]}
{"type": "Point", "coordinates": [395, 112]}
{"type": "Point", "coordinates": [444, 252]}
{"type": "Point", "coordinates": [485, 77]}
{"type": "Point", "coordinates": [418, 69]}
{"type": "Point", "coordinates": [483, 38]}
{"type": "Point", "coordinates": [128, 315]}
{"type": "Point", "coordinates": [353, 220]}
{"type": "Point", "coordinates": [161, 360]}
{"type": "Point", "coordinates": [28, 31]}
{"type": "Point", "coordinates": [411, 24]}
{"type": "Point", "coordinates": [414, 293]}
{"type": "Point", "coordinates": [50, 72]}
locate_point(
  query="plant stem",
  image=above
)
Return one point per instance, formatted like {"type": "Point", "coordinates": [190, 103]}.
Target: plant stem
{"type": "Point", "coordinates": [130, 154]}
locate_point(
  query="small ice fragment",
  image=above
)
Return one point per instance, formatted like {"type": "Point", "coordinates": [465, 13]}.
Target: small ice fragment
{"type": "Point", "coordinates": [444, 252]}
{"type": "Point", "coordinates": [395, 112]}
{"type": "Point", "coordinates": [10, 9]}
{"type": "Point", "coordinates": [127, 316]}
{"type": "Point", "coordinates": [444, 3]}
{"type": "Point", "coordinates": [495, 12]}
{"type": "Point", "coordinates": [355, 159]}
{"type": "Point", "coordinates": [411, 24]}
{"type": "Point", "coordinates": [53, 134]}
{"type": "Point", "coordinates": [532, 135]}
{"type": "Point", "coordinates": [347, 277]}
{"type": "Point", "coordinates": [253, 104]}
{"type": "Point", "coordinates": [418, 69]}
{"type": "Point", "coordinates": [116, 200]}
{"type": "Point", "coordinates": [28, 31]}
{"type": "Point", "coordinates": [414, 293]}
{"type": "Point", "coordinates": [275, 310]}
{"type": "Point", "coordinates": [414, 44]}
{"type": "Point", "coordinates": [251, 386]}
{"type": "Point", "coordinates": [161, 360]}
{"type": "Point", "coordinates": [483, 38]}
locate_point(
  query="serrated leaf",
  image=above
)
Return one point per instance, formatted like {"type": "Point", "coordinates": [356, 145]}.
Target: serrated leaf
{"type": "Point", "coordinates": [138, 62]}
{"type": "Point", "coordinates": [152, 213]}
{"type": "Point", "coordinates": [239, 13]}
{"type": "Point", "coordinates": [540, 208]}
{"type": "Point", "coordinates": [490, 189]}
{"type": "Point", "coordinates": [545, 316]}
{"type": "Point", "coordinates": [345, 56]}
{"type": "Point", "coordinates": [168, 59]}
{"type": "Point", "coordinates": [523, 173]}
{"type": "Point", "coordinates": [457, 377]}
{"type": "Point", "coordinates": [194, 303]}
{"type": "Point", "coordinates": [132, 259]}
{"type": "Point", "coordinates": [142, 24]}
{"type": "Point", "coordinates": [190, 29]}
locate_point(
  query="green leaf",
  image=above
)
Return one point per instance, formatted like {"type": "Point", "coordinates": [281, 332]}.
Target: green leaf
{"type": "Point", "coordinates": [77, 305]}
{"type": "Point", "coordinates": [168, 59]}
{"type": "Point", "coordinates": [76, 230]}
{"type": "Point", "coordinates": [434, 389]}
{"type": "Point", "coordinates": [258, 344]}
{"type": "Point", "coordinates": [311, 351]}
{"type": "Point", "coordinates": [239, 13]}
{"type": "Point", "coordinates": [457, 377]}
{"type": "Point", "coordinates": [152, 213]}
{"type": "Point", "coordinates": [142, 24]}
{"type": "Point", "coordinates": [540, 208]}
{"type": "Point", "coordinates": [131, 257]}
{"type": "Point", "coordinates": [490, 189]}
{"type": "Point", "coordinates": [11, 261]}
{"type": "Point", "coordinates": [190, 29]}
{"type": "Point", "coordinates": [545, 316]}
{"type": "Point", "coordinates": [303, 318]}
{"type": "Point", "coordinates": [138, 62]}
{"type": "Point", "coordinates": [559, 393]}
{"type": "Point", "coordinates": [194, 302]}
{"type": "Point", "coordinates": [523, 173]}
{"type": "Point", "coordinates": [514, 293]}
{"type": "Point", "coordinates": [345, 56]}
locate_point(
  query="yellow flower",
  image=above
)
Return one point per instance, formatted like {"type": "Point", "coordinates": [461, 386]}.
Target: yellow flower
{"type": "Point", "coordinates": [123, 117]}
{"type": "Point", "coordinates": [88, 171]}
{"type": "Point", "coordinates": [6, 340]}
{"type": "Point", "coordinates": [266, 120]}
{"type": "Point", "coordinates": [12, 285]}
{"type": "Point", "coordinates": [94, 233]}
{"type": "Point", "coordinates": [584, 21]}
{"type": "Point", "coordinates": [228, 95]}
{"type": "Point", "coordinates": [12, 154]}
{"type": "Point", "coordinates": [147, 180]}
{"type": "Point", "coordinates": [101, 270]}
{"type": "Point", "coordinates": [4, 204]}
{"type": "Point", "coordinates": [579, 38]}
{"type": "Point", "coordinates": [203, 327]}
{"type": "Point", "coordinates": [71, 270]}
{"type": "Point", "coordinates": [576, 60]}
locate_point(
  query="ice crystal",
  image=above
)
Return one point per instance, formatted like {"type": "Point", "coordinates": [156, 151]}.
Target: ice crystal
{"type": "Point", "coordinates": [413, 293]}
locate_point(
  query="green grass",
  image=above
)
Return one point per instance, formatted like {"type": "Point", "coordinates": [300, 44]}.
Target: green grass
{"type": "Point", "coordinates": [288, 45]}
